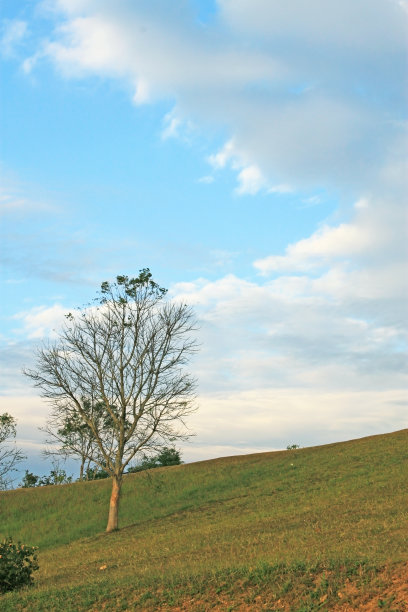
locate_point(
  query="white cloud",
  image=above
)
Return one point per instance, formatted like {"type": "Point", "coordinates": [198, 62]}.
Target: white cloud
{"type": "Point", "coordinates": [282, 188]}
{"type": "Point", "coordinates": [134, 43]}
{"type": "Point", "coordinates": [57, 251]}
{"type": "Point", "coordinates": [13, 202]}
{"type": "Point", "coordinates": [13, 33]}
{"type": "Point", "coordinates": [172, 125]}
{"type": "Point", "coordinates": [330, 323]}
{"type": "Point", "coordinates": [250, 178]}
{"type": "Point", "coordinates": [312, 94]}
{"type": "Point", "coordinates": [367, 26]}
{"type": "Point", "coordinates": [178, 128]}
{"type": "Point", "coordinates": [267, 419]}
{"type": "Point", "coordinates": [404, 5]}
{"type": "Point", "coordinates": [14, 281]}
{"type": "Point", "coordinates": [29, 63]}
{"type": "Point", "coordinates": [223, 258]}
{"type": "Point", "coordinates": [207, 179]}
{"type": "Point", "coordinates": [223, 156]}
{"type": "Point", "coordinates": [311, 201]}
{"type": "Point", "coordinates": [142, 92]}
{"type": "Point", "coordinates": [41, 321]}
{"type": "Point", "coordinates": [345, 240]}
{"type": "Point", "coordinates": [250, 181]}
{"type": "Point", "coordinates": [369, 249]}
{"type": "Point", "coordinates": [28, 409]}
{"type": "Point", "coordinates": [291, 333]}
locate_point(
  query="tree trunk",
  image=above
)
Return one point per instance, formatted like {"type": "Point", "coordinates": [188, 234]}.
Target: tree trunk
{"type": "Point", "coordinates": [114, 504]}
{"type": "Point", "coordinates": [81, 471]}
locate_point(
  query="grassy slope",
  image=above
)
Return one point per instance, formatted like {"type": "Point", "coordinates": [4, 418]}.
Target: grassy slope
{"type": "Point", "coordinates": [296, 530]}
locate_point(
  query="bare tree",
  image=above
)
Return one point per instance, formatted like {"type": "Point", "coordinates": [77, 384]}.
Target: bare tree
{"type": "Point", "coordinates": [118, 367]}
{"type": "Point", "coordinates": [9, 454]}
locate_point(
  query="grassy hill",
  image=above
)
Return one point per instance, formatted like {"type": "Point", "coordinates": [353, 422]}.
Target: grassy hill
{"type": "Point", "coordinates": [322, 528]}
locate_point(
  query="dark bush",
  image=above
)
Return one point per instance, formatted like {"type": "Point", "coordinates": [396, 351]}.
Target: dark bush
{"type": "Point", "coordinates": [167, 456]}
{"type": "Point", "coordinates": [56, 476]}
{"type": "Point", "coordinates": [17, 563]}
{"type": "Point", "coordinates": [96, 473]}
{"type": "Point", "coordinates": [29, 480]}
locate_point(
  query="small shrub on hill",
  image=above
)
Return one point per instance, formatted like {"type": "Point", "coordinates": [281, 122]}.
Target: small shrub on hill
{"type": "Point", "coordinates": [167, 456]}
{"type": "Point", "coordinates": [56, 476]}
{"type": "Point", "coordinates": [96, 473]}
{"type": "Point", "coordinates": [17, 563]}
{"type": "Point", "coordinates": [29, 480]}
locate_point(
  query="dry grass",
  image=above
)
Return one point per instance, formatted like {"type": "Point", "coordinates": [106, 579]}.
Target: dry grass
{"type": "Point", "coordinates": [292, 528]}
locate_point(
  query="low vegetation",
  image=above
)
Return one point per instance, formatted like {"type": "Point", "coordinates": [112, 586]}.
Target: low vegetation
{"type": "Point", "coordinates": [321, 528]}
{"type": "Point", "coordinates": [17, 564]}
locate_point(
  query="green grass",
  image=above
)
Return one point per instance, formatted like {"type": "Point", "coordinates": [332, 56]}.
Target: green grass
{"type": "Point", "coordinates": [294, 527]}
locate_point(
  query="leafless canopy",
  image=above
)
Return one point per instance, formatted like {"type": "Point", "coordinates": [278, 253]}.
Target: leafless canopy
{"type": "Point", "coordinates": [117, 372]}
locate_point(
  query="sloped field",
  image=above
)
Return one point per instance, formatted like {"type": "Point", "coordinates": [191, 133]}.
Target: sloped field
{"type": "Point", "coordinates": [322, 528]}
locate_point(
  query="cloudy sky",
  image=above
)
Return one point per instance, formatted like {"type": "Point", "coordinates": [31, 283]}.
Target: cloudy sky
{"type": "Point", "coordinates": [253, 155]}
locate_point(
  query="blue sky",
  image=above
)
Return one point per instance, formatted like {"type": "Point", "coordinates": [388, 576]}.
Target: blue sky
{"type": "Point", "coordinates": [252, 153]}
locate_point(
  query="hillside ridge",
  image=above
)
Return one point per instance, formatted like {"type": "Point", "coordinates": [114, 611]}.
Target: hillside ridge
{"type": "Point", "coordinates": [281, 530]}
